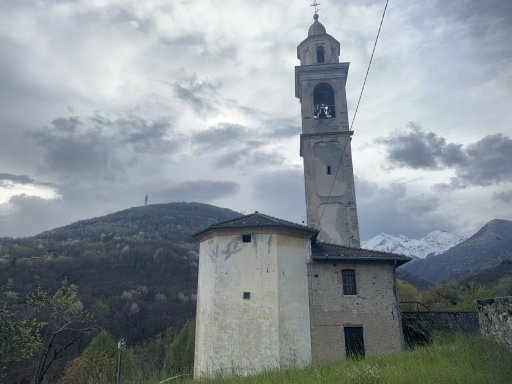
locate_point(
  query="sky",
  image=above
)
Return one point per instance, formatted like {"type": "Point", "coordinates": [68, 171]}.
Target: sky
{"type": "Point", "coordinates": [104, 101]}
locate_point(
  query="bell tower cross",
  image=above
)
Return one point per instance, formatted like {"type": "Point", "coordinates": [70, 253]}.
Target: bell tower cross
{"type": "Point", "coordinates": [325, 140]}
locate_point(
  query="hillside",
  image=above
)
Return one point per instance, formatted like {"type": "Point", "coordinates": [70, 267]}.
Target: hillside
{"type": "Point", "coordinates": [487, 248]}
{"type": "Point", "coordinates": [137, 268]}
{"type": "Point", "coordinates": [417, 282]}
{"type": "Point", "coordinates": [489, 276]}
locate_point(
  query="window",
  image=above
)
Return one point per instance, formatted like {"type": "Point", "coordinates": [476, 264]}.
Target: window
{"type": "Point", "coordinates": [323, 101]}
{"type": "Point", "coordinates": [354, 342]}
{"type": "Point", "coordinates": [320, 54]}
{"type": "Point", "coordinates": [246, 238]}
{"type": "Point", "coordinates": [247, 295]}
{"type": "Point", "coordinates": [329, 170]}
{"type": "Point", "coordinates": [349, 281]}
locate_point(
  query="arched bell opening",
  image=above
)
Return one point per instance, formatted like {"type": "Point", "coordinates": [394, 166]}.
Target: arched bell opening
{"type": "Point", "coordinates": [320, 54]}
{"type": "Point", "coordinates": [323, 101]}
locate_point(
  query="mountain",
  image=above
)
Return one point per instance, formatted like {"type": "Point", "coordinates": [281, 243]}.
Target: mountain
{"type": "Point", "coordinates": [434, 243]}
{"type": "Point", "coordinates": [136, 269]}
{"type": "Point", "coordinates": [487, 248]}
{"type": "Point", "coordinates": [417, 282]}
{"type": "Point", "coordinates": [489, 276]}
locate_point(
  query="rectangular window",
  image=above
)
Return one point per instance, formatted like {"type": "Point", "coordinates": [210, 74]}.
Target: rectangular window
{"type": "Point", "coordinates": [354, 342]}
{"type": "Point", "coordinates": [328, 169]}
{"type": "Point", "coordinates": [247, 295]}
{"type": "Point", "coordinates": [349, 281]}
{"type": "Point", "coordinates": [246, 238]}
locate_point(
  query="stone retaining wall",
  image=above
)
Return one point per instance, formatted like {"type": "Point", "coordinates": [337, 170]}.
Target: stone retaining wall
{"type": "Point", "coordinates": [495, 316]}
{"type": "Point", "coordinates": [450, 321]}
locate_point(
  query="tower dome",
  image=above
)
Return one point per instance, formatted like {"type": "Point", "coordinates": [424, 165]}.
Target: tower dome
{"type": "Point", "coordinates": [316, 28]}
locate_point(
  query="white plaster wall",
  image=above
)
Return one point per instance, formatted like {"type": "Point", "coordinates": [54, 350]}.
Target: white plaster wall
{"type": "Point", "coordinates": [294, 326]}
{"type": "Point", "coordinates": [240, 336]}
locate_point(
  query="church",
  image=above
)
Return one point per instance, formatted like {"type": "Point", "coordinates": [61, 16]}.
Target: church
{"type": "Point", "coordinates": [273, 294]}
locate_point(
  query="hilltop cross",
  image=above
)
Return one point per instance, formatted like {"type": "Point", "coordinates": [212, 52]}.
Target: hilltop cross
{"type": "Point", "coordinates": [315, 4]}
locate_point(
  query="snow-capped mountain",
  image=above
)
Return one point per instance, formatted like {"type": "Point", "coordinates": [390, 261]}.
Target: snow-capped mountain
{"type": "Point", "coordinates": [434, 243]}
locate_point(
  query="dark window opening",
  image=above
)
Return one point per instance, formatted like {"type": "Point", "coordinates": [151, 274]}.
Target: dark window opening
{"type": "Point", "coordinates": [320, 54]}
{"type": "Point", "coordinates": [323, 101]}
{"type": "Point", "coordinates": [329, 170]}
{"type": "Point", "coordinates": [247, 295]}
{"type": "Point", "coordinates": [349, 281]}
{"type": "Point", "coordinates": [246, 238]}
{"type": "Point", "coordinates": [354, 342]}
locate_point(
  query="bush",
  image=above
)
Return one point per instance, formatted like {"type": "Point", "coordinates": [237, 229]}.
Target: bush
{"type": "Point", "coordinates": [180, 355]}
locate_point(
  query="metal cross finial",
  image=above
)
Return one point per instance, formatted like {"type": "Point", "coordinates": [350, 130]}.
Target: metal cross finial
{"type": "Point", "coordinates": [315, 4]}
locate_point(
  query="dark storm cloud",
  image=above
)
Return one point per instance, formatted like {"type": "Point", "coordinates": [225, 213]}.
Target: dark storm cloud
{"type": "Point", "coordinates": [219, 136]}
{"type": "Point", "coordinates": [420, 149]}
{"type": "Point", "coordinates": [483, 163]}
{"type": "Point", "coordinates": [199, 190]}
{"type": "Point", "coordinates": [10, 180]}
{"type": "Point", "coordinates": [488, 161]}
{"type": "Point", "coordinates": [199, 93]}
{"type": "Point", "coordinates": [69, 124]}
{"type": "Point", "coordinates": [390, 210]}
{"type": "Point", "coordinates": [281, 128]}
{"type": "Point", "coordinates": [96, 147]}
{"type": "Point", "coordinates": [229, 145]}
{"type": "Point", "coordinates": [75, 154]}
{"type": "Point", "coordinates": [144, 135]}
{"type": "Point", "coordinates": [18, 179]}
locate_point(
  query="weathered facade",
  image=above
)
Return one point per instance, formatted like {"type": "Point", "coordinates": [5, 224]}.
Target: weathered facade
{"type": "Point", "coordinates": [372, 307]}
{"type": "Point", "coordinates": [325, 140]}
{"type": "Point", "coordinates": [252, 298]}
{"type": "Point", "coordinates": [274, 294]}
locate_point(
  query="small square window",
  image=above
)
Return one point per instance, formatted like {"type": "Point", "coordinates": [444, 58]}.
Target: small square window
{"type": "Point", "coordinates": [246, 238]}
{"type": "Point", "coordinates": [247, 295]}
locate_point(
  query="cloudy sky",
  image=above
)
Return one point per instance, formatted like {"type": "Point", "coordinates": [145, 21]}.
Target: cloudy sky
{"type": "Point", "coordinates": [103, 101]}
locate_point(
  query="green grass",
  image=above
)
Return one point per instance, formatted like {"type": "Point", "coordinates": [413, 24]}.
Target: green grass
{"type": "Point", "coordinates": [452, 358]}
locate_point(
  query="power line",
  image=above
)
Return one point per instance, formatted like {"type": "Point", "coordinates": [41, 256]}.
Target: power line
{"type": "Point", "coordinates": [369, 65]}
{"type": "Point", "coordinates": [355, 114]}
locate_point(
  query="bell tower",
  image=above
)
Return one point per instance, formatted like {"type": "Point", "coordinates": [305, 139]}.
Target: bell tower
{"type": "Point", "coordinates": [325, 140]}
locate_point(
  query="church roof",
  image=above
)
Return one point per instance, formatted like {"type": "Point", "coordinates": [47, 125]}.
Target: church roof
{"type": "Point", "coordinates": [257, 219]}
{"type": "Point", "coordinates": [316, 28]}
{"type": "Point", "coordinates": [326, 251]}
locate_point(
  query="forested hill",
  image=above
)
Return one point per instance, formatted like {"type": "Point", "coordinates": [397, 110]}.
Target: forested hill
{"type": "Point", "coordinates": [136, 269]}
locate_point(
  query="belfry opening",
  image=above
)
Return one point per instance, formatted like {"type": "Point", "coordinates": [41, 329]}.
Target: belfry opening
{"type": "Point", "coordinates": [323, 100]}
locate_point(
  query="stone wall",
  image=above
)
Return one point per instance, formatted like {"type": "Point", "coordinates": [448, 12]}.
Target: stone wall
{"type": "Point", "coordinates": [495, 317]}
{"type": "Point", "coordinates": [374, 308]}
{"type": "Point", "coordinates": [449, 321]}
